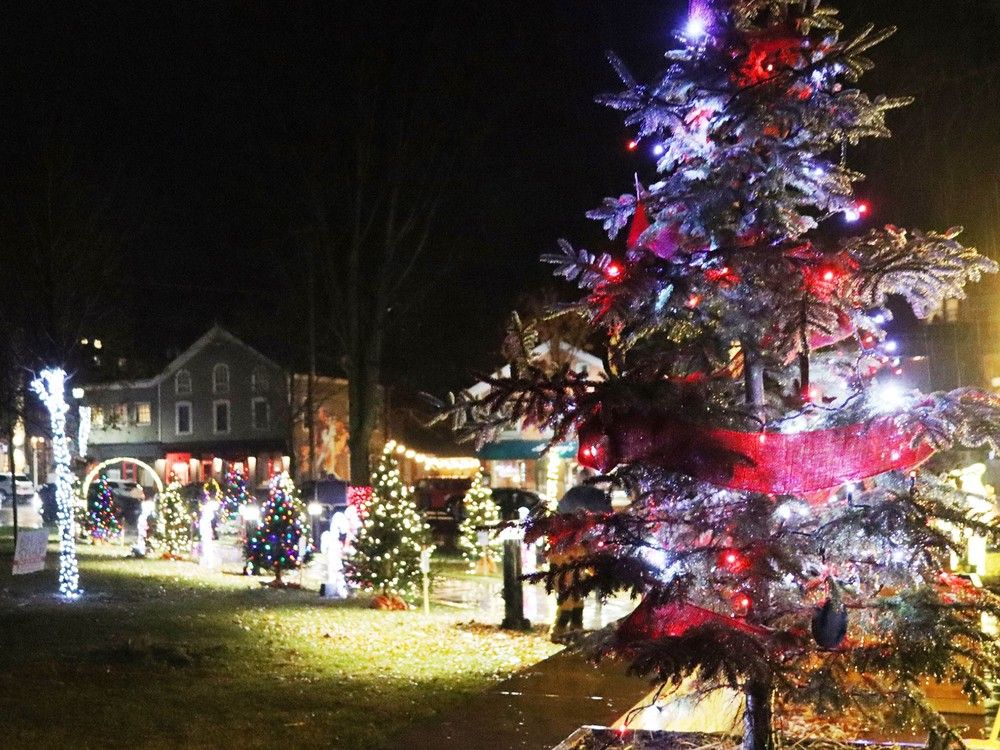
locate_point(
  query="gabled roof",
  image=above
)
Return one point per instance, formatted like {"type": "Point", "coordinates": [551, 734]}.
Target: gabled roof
{"type": "Point", "coordinates": [481, 388]}
{"type": "Point", "coordinates": [215, 333]}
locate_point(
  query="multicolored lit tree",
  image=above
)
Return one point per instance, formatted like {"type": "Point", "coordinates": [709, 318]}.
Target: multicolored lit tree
{"type": "Point", "coordinates": [480, 511]}
{"type": "Point", "coordinates": [386, 555]}
{"type": "Point", "coordinates": [104, 517]}
{"type": "Point", "coordinates": [276, 545]}
{"type": "Point", "coordinates": [784, 540]}
{"type": "Point", "coordinates": [173, 522]}
{"type": "Point", "coordinates": [235, 494]}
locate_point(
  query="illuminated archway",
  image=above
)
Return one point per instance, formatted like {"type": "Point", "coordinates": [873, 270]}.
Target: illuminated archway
{"type": "Point", "coordinates": [92, 474]}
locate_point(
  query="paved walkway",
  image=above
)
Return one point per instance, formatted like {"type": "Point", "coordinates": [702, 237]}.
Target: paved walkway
{"type": "Point", "coordinates": [535, 709]}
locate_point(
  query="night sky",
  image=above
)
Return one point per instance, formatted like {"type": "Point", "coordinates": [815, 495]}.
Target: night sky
{"type": "Point", "coordinates": [180, 117]}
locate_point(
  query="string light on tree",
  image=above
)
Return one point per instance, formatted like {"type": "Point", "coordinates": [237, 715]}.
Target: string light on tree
{"type": "Point", "coordinates": [173, 522]}
{"type": "Point", "coordinates": [236, 493]}
{"type": "Point", "coordinates": [104, 517]}
{"type": "Point", "coordinates": [50, 386]}
{"type": "Point", "coordinates": [729, 390]}
{"type": "Point", "coordinates": [83, 433]}
{"type": "Point", "coordinates": [386, 556]}
{"type": "Point", "coordinates": [473, 541]}
{"type": "Point", "coordinates": [275, 545]}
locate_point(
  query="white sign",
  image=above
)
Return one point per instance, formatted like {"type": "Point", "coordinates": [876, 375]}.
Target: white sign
{"type": "Point", "coordinates": [29, 555]}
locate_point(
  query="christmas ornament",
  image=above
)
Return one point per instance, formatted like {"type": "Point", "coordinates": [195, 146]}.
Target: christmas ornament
{"type": "Point", "coordinates": [829, 621]}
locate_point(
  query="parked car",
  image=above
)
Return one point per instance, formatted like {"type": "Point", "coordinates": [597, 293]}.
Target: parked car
{"type": "Point", "coordinates": [444, 499]}
{"type": "Point", "coordinates": [23, 485]}
{"type": "Point", "coordinates": [126, 488]}
{"type": "Point", "coordinates": [510, 500]}
{"type": "Point", "coordinates": [441, 498]}
{"type": "Point", "coordinates": [328, 495]}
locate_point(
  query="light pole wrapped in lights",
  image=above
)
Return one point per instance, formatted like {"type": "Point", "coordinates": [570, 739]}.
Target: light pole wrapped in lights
{"type": "Point", "coordinates": [50, 386]}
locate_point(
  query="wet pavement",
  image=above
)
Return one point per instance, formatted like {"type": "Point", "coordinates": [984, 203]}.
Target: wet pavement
{"type": "Point", "coordinates": [537, 708]}
{"type": "Point", "coordinates": [544, 704]}
{"type": "Point", "coordinates": [483, 599]}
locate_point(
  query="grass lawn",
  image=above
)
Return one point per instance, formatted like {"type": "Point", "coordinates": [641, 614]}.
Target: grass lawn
{"type": "Point", "coordinates": [159, 654]}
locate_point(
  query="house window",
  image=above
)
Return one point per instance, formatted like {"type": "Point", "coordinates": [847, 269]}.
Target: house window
{"type": "Point", "coordinates": [220, 411]}
{"type": "Point", "coordinates": [118, 415]}
{"type": "Point", "coordinates": [182, 382]}
{"type": "Point", "coordinates": [220, 378]}
{"type": "Point", "coordinates": [143, 414]}
{"type": "Point", "coordinates": [259, 380]}
{"type": "Point", "coordinates": [97, 416]}
{"type": "Point", "coordinates": [261, 414]}
{"type": "Point", "coordinates": [184, 422]}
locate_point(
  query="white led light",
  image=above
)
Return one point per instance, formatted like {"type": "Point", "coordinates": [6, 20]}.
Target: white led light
{"type": "Point", "coordinates": [50, 386]}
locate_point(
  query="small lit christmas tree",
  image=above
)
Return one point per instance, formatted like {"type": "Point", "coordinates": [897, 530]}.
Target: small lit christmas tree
{"type": "Point", "coordinates": [104, 517]}
{"type": "Point", "coordinates": [173, 522]}
{"type": "Point", "coordinates": [275, 546]}
{"type": "Point", "coordinates": [235, 495]}
{"type": "Point", "coordinates": [480, 510]}
{"type": "Point", "coordinates": [386, 555]}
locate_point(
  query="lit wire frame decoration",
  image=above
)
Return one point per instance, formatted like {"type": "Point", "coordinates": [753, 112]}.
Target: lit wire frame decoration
{"type": "Point", "coordinates": [50, 386]}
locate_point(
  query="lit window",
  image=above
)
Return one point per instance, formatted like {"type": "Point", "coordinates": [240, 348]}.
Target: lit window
{"type": "Point", "coordinates": [182, 382]}
{"type": "Point", "coordinates": [184, 423]}
{"type": "Point", "coordinates": [118, 415]}
{"type": "Point", "coordinates": [261, 414]}
{"type": "Point", "coordinates": [97, 416]}
{"type": "Point", "coordinates": [220, 416]}
{"type": "Point", "coordinates": [143, 414]}
{"type": "Point", "coordinates": [220, 378]}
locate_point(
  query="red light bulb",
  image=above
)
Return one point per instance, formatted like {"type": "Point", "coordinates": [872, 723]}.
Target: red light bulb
{"type": "Point", "coordinates": [732, 560]}
{"type": "Point", "coordinates": [741, 604]}
{"type": "Point", "coordinates": [633, 145]}
{"type": "Point", "coordinates": [613, 271]}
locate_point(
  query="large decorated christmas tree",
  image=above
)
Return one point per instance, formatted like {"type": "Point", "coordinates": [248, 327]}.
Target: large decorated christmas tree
{"type": "Point", "coordinates": [386, 555]}
{"type": "Point", "coordinates": [276, 545]}
{"type": "Point", "coordinates": [783, 537]}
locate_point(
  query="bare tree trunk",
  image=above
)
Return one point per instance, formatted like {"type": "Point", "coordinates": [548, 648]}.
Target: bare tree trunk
{"type": "Point", "coordinates": [363, 409]}
{"type": "Point", "coordinates": [757, 732]}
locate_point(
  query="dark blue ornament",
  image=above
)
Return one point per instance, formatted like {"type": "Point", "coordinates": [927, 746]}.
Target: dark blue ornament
{"type": "Point", "coordinates": [829, 621]}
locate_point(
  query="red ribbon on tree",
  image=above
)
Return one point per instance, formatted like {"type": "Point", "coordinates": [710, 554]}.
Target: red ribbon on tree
{"type": "Point", "coordinates": [772, 463]}
{"type": "Point", "coordinates": [673, 620]}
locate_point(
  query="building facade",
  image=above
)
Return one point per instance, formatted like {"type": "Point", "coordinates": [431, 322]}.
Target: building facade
{"type": "Point", "coordinates": [220, 404]}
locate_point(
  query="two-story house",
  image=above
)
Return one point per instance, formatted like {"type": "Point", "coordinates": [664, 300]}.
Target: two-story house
{"type": "Point", "coordinates": [220, 403]}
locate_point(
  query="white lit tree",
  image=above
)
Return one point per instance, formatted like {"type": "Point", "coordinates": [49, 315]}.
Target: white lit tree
{"type": "Point", "coordinates": [50, 386]}
{"type": "Point", "coordinates": [386, 555]}
{"type": "Point", "coordinates": [173, 522]}
{"type": "Point", "coordinates": [479, 510]}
